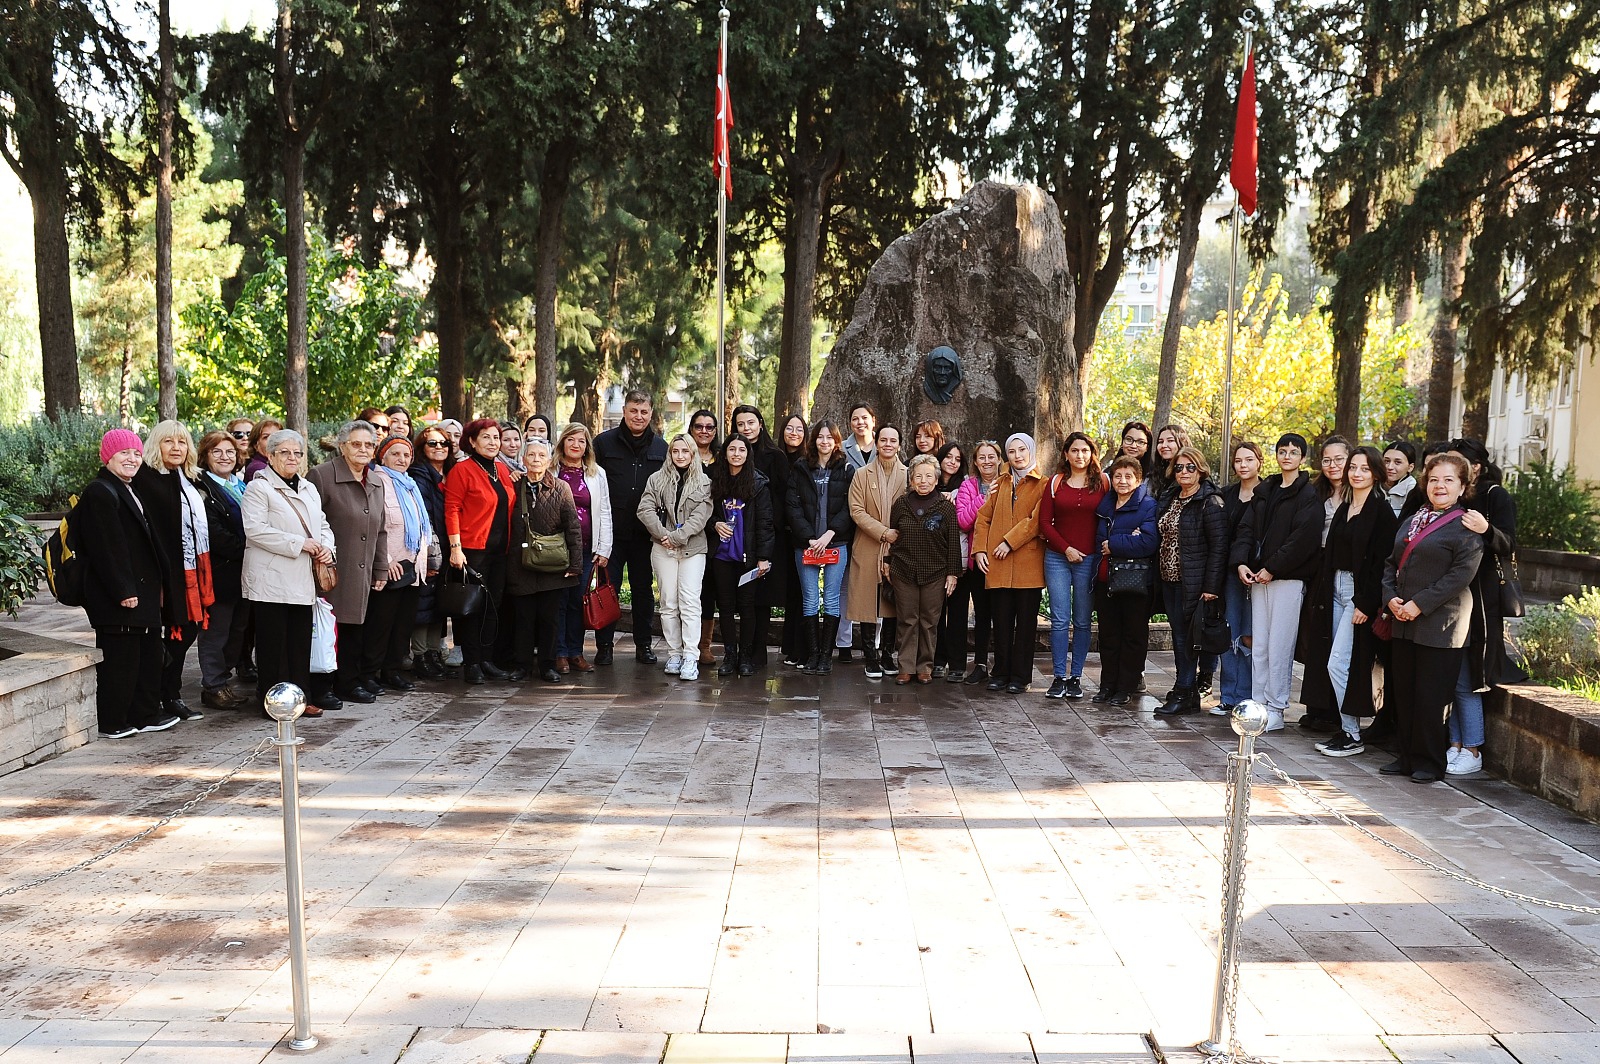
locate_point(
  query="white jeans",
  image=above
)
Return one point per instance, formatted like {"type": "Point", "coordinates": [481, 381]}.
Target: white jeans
{"type": "Point", "coordinates": [1344, 639]}
{"type": "Point", "coordinates": [679, 576]}
{"type": "Point", "coordinates": [1275, 623]}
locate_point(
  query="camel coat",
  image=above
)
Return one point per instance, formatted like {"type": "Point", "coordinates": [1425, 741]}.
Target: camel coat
{"type": "Point", "coordinates": [355, 512]}
{"type": "Point", "coordinates": [872, 496]}
{"type": "Point", "coordinates": [1017, 523]}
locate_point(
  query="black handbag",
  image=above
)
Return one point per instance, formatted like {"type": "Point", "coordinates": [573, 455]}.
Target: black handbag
{"type": "Point", "coordinates": [461, 598]}
{"type": "Point", "coordinates": [1212, 634]}
{"type": "Point", "coordinates": [1130, 576]}
{"type": "Point", "coordinates": [1511, 604]}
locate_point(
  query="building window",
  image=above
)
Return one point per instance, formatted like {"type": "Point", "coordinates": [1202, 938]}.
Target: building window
{"type": "Point", "coordinates": [1564, 387]}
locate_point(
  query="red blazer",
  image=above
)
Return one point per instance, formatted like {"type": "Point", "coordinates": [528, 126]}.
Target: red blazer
{"type": "Point", "coordinates": [469, 502]}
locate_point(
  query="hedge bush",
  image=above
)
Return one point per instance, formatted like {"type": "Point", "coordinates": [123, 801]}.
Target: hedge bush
{"type": "Point", "coordinates": [21, 563]}
{"type": "Point", "coordinates": [43, 463]}
{"type": "Point", "coordinates": [1555, 510]}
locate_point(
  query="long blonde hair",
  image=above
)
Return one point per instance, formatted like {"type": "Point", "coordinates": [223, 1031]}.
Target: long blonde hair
{"type": "Point", "coordinates": [572, 428]}
{"type": "Point", "coordinates": [170, 430]}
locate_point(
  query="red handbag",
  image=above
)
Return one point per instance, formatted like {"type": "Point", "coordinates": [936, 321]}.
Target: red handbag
{"type": "Point", "coordinates": [822, 556]}
{"type": "Point", "coordinates": [601, 607]}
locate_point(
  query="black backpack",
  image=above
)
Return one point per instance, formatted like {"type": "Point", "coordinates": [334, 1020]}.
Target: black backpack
{"type": "Point", "coordinates": [64, 569]}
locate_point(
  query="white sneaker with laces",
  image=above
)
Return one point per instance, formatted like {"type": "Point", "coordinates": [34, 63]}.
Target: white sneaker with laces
{"type": "Point", "coordinates": [1466, 762]}
{"type": "Point", "coordinates": [1274, 720]}
{"type": "Point", "coordinates": [674, 662]}
{"type": "Point", "coordinates": [690, 669]}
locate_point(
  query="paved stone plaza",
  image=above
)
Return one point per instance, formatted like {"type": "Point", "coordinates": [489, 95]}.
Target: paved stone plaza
{"type": "Point", "coordinates": [633, 869]}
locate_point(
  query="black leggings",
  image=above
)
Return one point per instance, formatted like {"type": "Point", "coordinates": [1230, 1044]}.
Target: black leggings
{"type": "Point", "coordinates": [736, 606]}
{"type": "Point", "coordinates": [1016, 631]}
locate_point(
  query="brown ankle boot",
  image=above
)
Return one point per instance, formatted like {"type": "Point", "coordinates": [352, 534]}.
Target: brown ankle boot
{"type": "Point", "coordinates": [706, 657]}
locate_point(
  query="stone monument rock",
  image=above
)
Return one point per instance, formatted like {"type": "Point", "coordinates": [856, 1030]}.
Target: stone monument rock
{"type": "Point", "coordinates": [967, 320]}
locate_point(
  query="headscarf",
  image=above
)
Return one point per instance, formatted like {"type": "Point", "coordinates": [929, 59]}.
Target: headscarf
{"type": "Point", "coordinates": [413, 511]}
{"type": "Point", "coordinates": [1033, 452]}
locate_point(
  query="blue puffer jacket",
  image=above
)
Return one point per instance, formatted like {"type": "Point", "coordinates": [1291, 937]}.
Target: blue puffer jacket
{"type": "Point", "coordinates": [1131, 527]}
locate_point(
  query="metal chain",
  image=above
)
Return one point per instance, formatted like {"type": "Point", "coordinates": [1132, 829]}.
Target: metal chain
{"type": "Point", "coordinates": [1402, 851]}
{"type": "Point", "coordinates": [152, 829]}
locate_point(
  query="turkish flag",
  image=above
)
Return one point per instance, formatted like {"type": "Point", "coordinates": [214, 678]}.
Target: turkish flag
{"type": "Point", "coordinates": [724, 123]}
{"type": "Point", "coordinates": [1242, 174]}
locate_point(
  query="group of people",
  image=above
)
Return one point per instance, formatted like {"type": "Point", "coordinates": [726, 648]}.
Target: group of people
{"type": "Point", "coordinates": [1382, 578]}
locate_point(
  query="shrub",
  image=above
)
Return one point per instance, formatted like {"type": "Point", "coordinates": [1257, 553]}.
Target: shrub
{"type": "Point", "coordinates": [1560, 643]}
{"type": "Point", "coordinates": [1554, 509]}
{"type": "Point", "coordinates": [43, 463]}
{"type": "Point", "coordinates": [21, 564]}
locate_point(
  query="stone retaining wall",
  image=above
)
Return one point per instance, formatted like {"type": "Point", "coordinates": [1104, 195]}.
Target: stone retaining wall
{"type": "Point", "coordinates": [47, 689]}
{"type": "Point", "coordinates": [1548, 742]}
{"type": "Point", "coordinates": [1555, 574]}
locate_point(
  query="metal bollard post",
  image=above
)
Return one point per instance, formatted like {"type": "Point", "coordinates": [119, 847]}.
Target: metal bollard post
{"type": "Point", "coordinates": [284, 703]}
{"type": "Point", "coordinates": [1249, 720]}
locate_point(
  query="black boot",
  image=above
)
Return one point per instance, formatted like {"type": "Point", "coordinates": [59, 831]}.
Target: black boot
{"type": "Point", "coordinates": [1180, 700]}
{"type": "Point", "coordinates": [730, 660]}
{"type": "Point", "coordinates": [828, 634]}
{"type": "Point", "coordinates": [888, 647]}
{"type": "Point", "coordinates": [810, 631]}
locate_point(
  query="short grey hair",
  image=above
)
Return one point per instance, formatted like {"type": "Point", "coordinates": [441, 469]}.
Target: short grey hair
{"type": "Point", "coordinates": [348, 427]}
{"type": "Point", "coordinates": [918, 461]}
{"type": "Point", "coordinates": [283, 436]}
{"type": "Point", "coordinates": [549, 450]}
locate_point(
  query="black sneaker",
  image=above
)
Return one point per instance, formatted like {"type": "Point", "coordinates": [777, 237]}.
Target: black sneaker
{"type": "Point", "coordinates": [1104, 695]}
{"type": "Point", "coordinates": [1343, 745]}
{"type": "Point", "coordinates": [978, 674]}
{"type": "Point", "coordinates": [180, 709]}
{"type": "Point", "coordinates": [646, 656]}
{"type": "Point", "coordinates": [1074, 688]}
{"type": "Point", "coordinates": [1058, 689]}
{"type": "Point", "coordinates": [117, 733]}
{"type": "Point", "coordinates": [160, 725]}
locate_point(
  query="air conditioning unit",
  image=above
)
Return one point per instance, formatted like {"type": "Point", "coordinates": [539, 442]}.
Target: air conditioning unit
{"type": "Point", "coordinates": [1145, 286]}
{"type": "Point", "coordinates": [1531, 451]}
{"type": "Point", "coordinates": [1538, 426]}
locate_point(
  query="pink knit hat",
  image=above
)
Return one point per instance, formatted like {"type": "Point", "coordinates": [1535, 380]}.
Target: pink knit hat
{"type": "Point", "coordinates": [118, 440]}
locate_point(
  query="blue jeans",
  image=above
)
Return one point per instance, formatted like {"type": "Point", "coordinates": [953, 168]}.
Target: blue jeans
{"type": "Point", "coordinates": [1071, 587]}
{"type": "Point", "coordinates": [831, 578]}
{"type": "Point", "coordinates": [1466, 716]}
{"type": "Point", "coordinates": [1235, 663]}
{"type": "Point", "coordinates": [1344, 642]}
{"type": "Point", "coordinates": [569, 632]}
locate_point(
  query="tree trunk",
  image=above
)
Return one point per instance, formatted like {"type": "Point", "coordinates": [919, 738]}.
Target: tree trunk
{"type": "Point", "coordinates": [1446, 325]}
{"type": "Point", "coordinates": [1177, 309]}
{"type": "Point", "coordinates": [451, 326]}
{"type": "Point", "coordinates": [166, 366]}
{"type": "Point", "coordinates": [1475, 418]}
{"type": "Point", "coordinates": [52, 271]}
{"type": "Point", "coordinates": [555, 183]}
{"type": "Point", "coordinates": [1350, 308]}
{"type": "Point", "coordinates": [734, 339]}
{"type": "Point", "coordinates": [802, 249]}
{"type": "Point", "coordinates": [1407, 300]}
{"type": "Point", "coordinates": [296, 358]}
{"type": "Point", "coordinates": [125, 385]}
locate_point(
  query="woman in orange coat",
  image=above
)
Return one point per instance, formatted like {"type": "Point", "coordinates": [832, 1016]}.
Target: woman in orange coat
{"type": "Point", "coordinates": [1007, 549]}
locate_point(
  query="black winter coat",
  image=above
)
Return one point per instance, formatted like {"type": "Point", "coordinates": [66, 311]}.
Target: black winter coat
{"type": "Point", "coordinates": [759, 535]}
{"type": "Point", "coordinates": [629, 462]}
{"type": "Point", "coordinates": [1486, 653]}
{"type": "Point", "coordinates": [430, 482]}
{"type": "Point", "coordinates": [1202, 542]}
{"type": "Point", "coordinates": [802, 504]}
{"type": "Point", "coordinates": [163, 508]}
{"type": "Point", "coordinates": [1281, 531]}
{"type": "Point", "coordinates": [118, 547]}
{"type": "Point", "coordinates": [772, 463]}
{"type": "Point", "coordinates": [550, 512]}
{"type": "Point", "coordinates": [226, 525]}
{"type": "Point", "coordinates": [1372, 539]}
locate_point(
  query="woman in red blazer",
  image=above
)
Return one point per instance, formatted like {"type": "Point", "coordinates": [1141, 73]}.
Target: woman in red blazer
{"type": "Point", "coordinates": [478, 495]}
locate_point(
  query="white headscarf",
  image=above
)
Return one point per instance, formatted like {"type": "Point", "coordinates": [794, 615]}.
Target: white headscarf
{"type": "Point", "coordinates": [1033, 452]}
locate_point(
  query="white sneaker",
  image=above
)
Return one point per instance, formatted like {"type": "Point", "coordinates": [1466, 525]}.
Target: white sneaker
{"type": "Point", "coordinates": [1465, 763]}
{"type": "Point", "coordinates": [674, 662]}
{"type": "Point", "coordinates": [1274, 720]}
{"type": "Point", "coordinates": [690, 669]}
{"type": "Point", "coordinates": [1450, 757]}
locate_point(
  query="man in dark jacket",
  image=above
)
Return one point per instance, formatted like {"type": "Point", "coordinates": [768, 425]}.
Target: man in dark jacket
{"type": "Point", "coordinates": [629, 454]}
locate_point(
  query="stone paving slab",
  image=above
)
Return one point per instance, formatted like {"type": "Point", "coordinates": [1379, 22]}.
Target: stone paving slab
{"type": "Point", "coordinates": [782, 868]}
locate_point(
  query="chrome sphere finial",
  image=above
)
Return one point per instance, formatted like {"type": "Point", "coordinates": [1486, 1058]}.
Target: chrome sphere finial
{"type": "Point", "coordinates": [1249, 718]}
{"type": "Point", "coordinates": [285, 702]}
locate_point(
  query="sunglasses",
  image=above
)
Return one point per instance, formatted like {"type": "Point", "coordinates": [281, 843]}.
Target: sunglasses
{"type": "Point", "coordinates": [240, 435]}
{"type": "Point", "coordinates": [1186, 467]}
{"type": "Point", "coordinates": [437, 443]}
{"type": "Point", "coordinates": [705, 428]}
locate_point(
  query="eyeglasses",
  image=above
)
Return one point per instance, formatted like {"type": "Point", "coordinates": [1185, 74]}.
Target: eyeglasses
{"type": "Point", "coordinates": [289, 454]}
{"type": "Point", "coordinates": [360, 445]}
{"type": "Point", "coordinates": [1186, 467]}
{"type": "Point", "coordinates": [1331, 459]}
{"type": "Point", "coordinates": [703, 427]}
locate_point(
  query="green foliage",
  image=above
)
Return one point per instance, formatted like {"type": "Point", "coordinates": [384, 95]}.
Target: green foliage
{"type": "Point", "coordinates": [1282, 375]}
{"type": "Point", "coordinates": [365, 329]}
{"type": "Point", "coordinates": [43, 463]}
{"type": "Point", "coordinates": [1560, 643]}
{"type": "Point", "coordinates": [1554, 509]}
{"type": "Point", "coordinates": [21, 564]}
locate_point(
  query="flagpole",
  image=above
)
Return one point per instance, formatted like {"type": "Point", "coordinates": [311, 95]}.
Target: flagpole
{"type": "Point", "coordinates": [722, 233]}
{"type": "Point", "coordinates": [1225, 473]}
